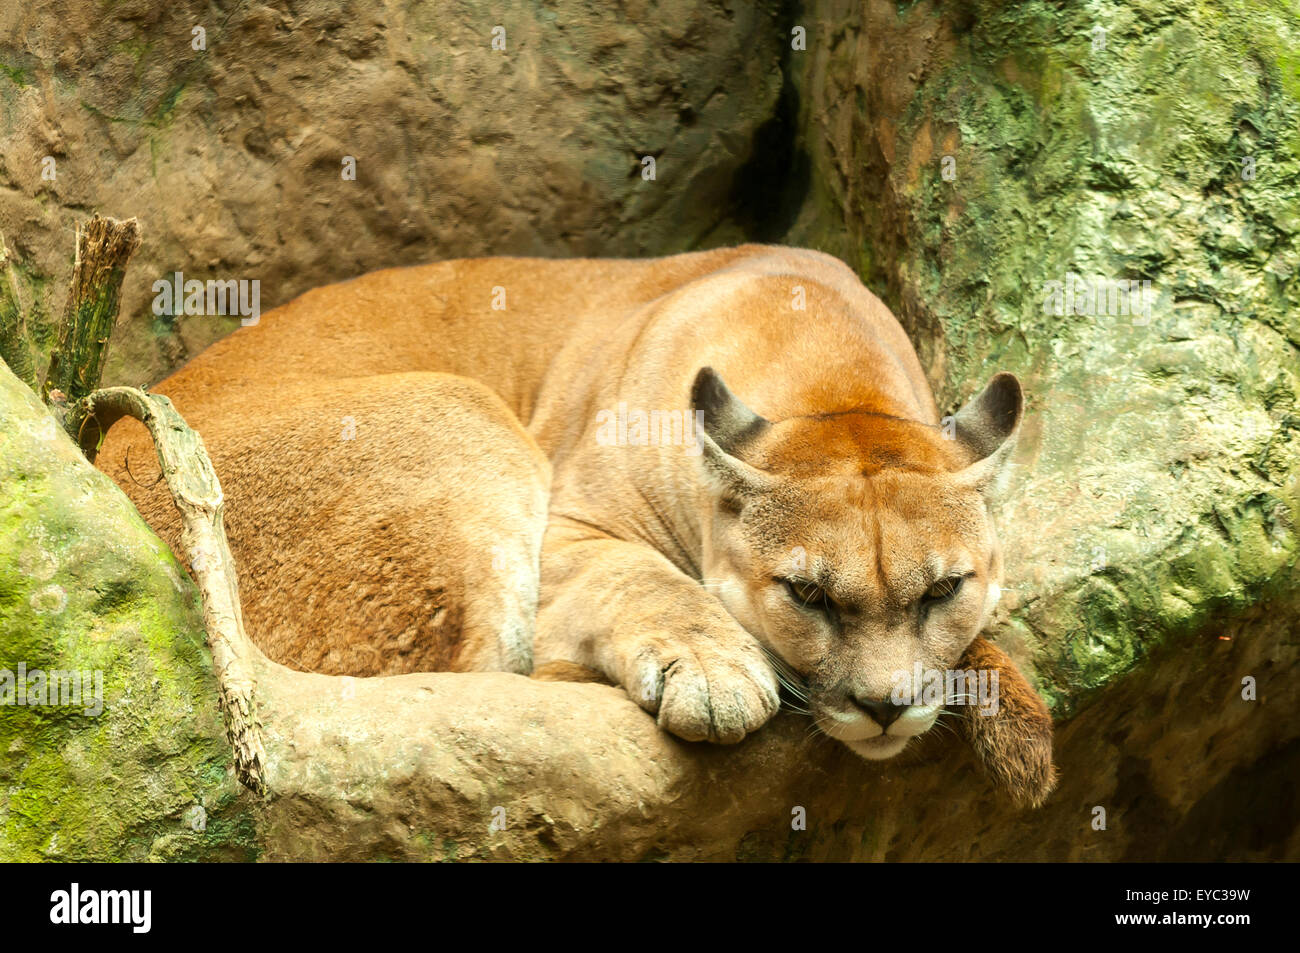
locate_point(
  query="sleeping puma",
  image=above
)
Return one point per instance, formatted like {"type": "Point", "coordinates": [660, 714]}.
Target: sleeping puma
{"type": "Point", "coordinates": [700, 476]}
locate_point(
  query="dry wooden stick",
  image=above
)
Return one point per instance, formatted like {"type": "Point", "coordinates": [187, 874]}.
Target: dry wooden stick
{"type": "Point", "coordinates": [197, 495]}
{"type": "Point", "coordinates": [104, 246]}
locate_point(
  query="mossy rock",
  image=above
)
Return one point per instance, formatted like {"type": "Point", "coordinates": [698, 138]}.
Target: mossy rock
{"type": "Point", "coordinates": [85, 586]}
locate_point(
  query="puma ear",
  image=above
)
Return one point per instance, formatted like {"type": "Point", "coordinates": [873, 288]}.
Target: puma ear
{"type": "Point", "coordinates": [987, 426]}
{"type": "Point", "coordinates": [1013, 742]}
{"type": "Point", "coordinates": [725, 425]}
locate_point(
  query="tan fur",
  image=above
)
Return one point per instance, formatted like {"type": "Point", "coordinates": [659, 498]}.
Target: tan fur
{"type": "Point", "coordinates": [1015, 745]}
{"type": "Point", "coordinates": [559, 671]}
{"type": "Point", "coordinates": [373, 555]}
{"type": "Point", "coordinates": [411, 546]}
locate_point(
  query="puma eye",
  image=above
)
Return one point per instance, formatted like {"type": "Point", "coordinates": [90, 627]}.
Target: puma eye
{"type": "Point", "coordinates": [944, 588]}
{"type": "Point", "coordinates": [809, 595]}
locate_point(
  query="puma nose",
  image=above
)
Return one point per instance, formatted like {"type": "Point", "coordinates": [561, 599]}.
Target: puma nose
{"type": "Point", "coordinates": [885, 713]}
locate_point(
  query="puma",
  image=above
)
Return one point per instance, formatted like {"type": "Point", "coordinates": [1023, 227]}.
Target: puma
{"type": "Point", "coordinates": [453, 467]}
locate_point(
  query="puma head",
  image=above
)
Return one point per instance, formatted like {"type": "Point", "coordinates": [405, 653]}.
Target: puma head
{"type": "Point", "coordinates": [858, 548]}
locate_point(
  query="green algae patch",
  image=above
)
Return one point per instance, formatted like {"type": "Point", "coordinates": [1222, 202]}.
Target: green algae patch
{"type": "Point", "coordinates": [135, 765]}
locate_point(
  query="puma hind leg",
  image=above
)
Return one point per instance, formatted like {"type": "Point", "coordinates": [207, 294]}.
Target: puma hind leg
{"type": "Point", "coordinates": [379, 525]}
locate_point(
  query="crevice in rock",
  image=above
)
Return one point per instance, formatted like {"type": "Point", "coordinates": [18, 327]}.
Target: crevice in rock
{"type": "Point", "coordinates": [770, 190]}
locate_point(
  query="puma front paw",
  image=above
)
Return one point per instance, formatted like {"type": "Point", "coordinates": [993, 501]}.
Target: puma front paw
{"type": "Point", "coordinates": [703, 691]}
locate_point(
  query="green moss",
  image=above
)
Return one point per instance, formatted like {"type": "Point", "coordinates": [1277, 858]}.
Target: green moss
{"type": "Point", "coordinates": [86, 587]}
{"type": "Point", "coordinates": [17, 75]}
{"type": "Point", "coordinates": [138, 50]}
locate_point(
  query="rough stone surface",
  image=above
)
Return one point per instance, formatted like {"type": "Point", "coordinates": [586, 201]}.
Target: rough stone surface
{"type": "Point", "coordinates": [1150, 531]}
{"type": "Point", "coordinates": [422, 766]}
{"type": "Point", "coordinates": [231, 156]}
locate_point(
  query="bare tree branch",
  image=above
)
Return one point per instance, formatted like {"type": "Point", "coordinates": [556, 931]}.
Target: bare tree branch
{"type": "Point", "coordinates": [197, 495]}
